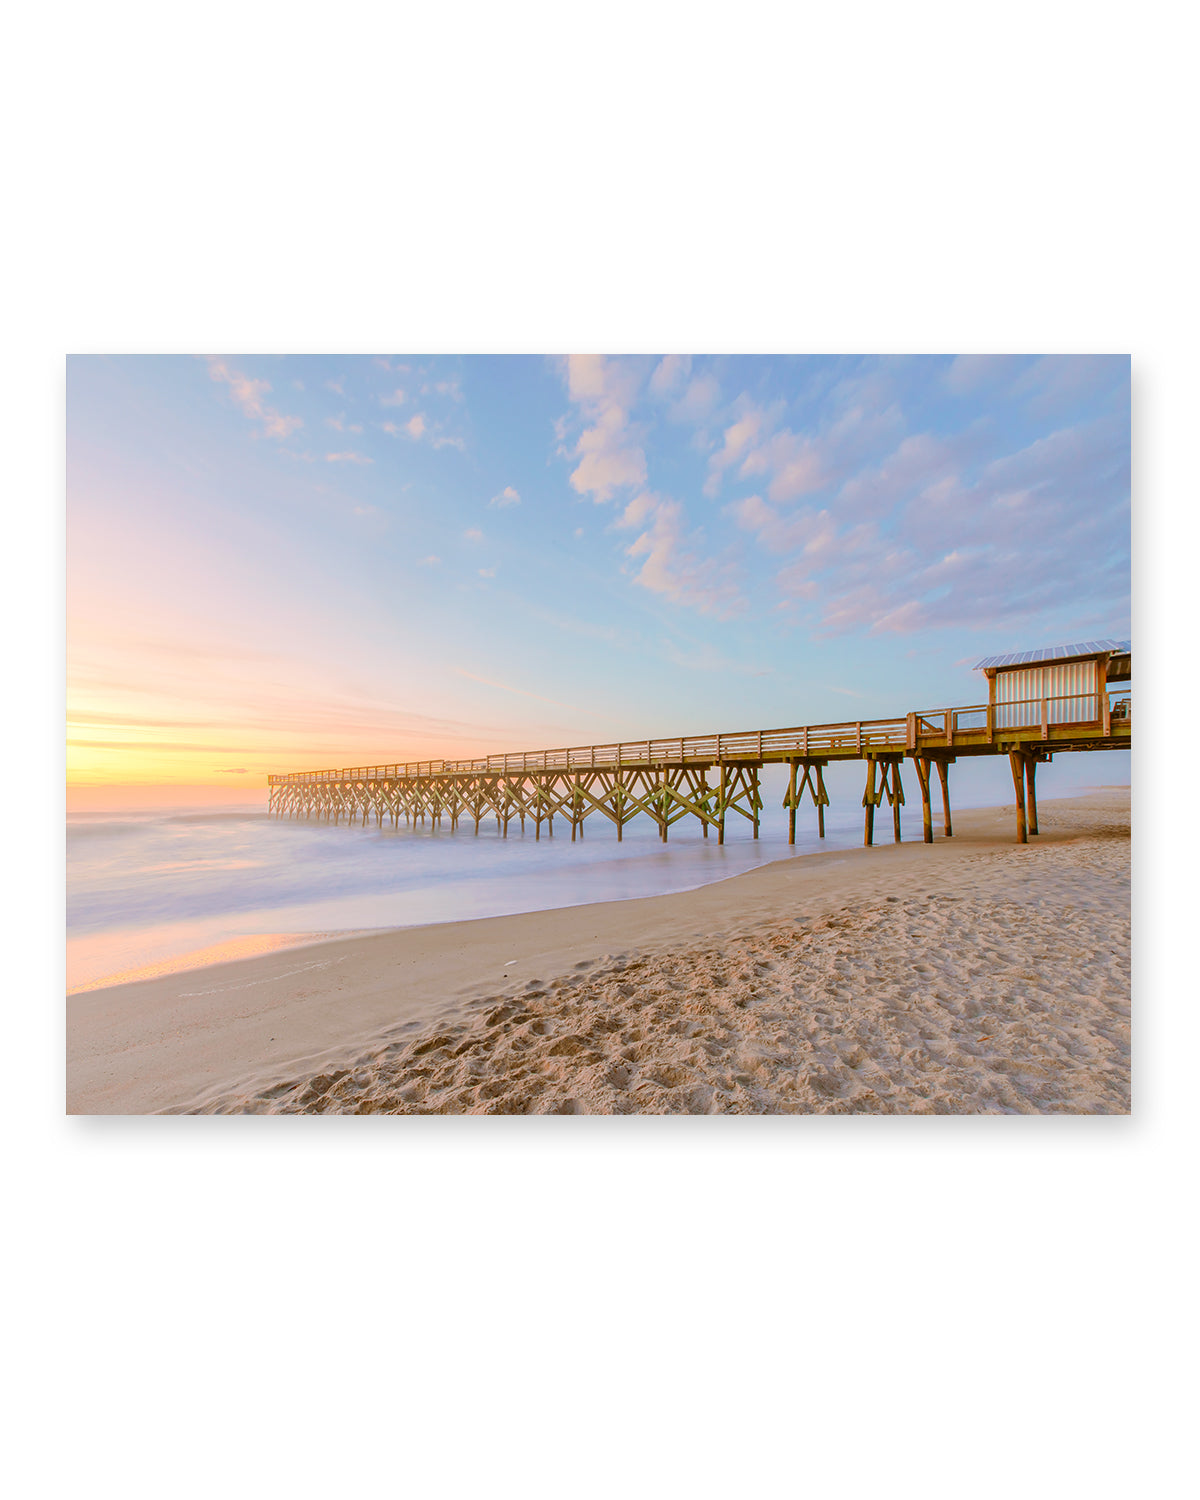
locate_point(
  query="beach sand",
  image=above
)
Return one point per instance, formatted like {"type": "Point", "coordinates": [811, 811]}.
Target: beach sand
{"type": "Point", "coordinates": [973, 976]}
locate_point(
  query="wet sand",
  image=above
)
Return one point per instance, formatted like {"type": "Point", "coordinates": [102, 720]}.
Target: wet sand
{"type": "Point", "coordinates": [973, 976]}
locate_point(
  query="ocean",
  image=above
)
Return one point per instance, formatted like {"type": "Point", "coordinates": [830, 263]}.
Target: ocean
{"type": "Point", "coordinates": [151, 891]}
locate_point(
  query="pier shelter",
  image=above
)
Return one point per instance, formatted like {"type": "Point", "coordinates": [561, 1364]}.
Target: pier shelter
{"type": "Point", "coordinates": [1057, 684]}
{"type": "Point", "coordinates": [1070, 697]}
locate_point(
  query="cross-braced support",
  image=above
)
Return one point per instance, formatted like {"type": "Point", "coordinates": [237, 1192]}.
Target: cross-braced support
{"type": "Point", "coordinates": [890, 786]}
{"type": "Point", "coordinates": [738, 792]}
{"type": "Point", "coordinates": [795, 794]}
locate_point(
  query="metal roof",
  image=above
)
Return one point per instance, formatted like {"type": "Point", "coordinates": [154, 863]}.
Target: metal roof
{"type": "Point", "coordinates": [1055, 653]}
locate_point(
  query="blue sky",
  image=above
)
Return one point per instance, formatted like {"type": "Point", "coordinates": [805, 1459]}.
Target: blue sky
{"type": "Point", "coordinates": [280, 562]}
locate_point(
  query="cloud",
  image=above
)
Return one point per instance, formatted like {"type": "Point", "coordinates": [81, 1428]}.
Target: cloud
{"type": "Point", "coordinates": [232, 770]}
{"type": "Point", "coordinates": [961, 543]}
{"type": "Point", "coordinates": [739, 438]}
{"type": "Point", "coordinates": [336, 387]}
{"type": "Point", "coordinates": [428, 562]}
{"type": "Point", "coordinates": [609, 451]}
{"type": "Point", "coordinates": [449, 388]}
{"type": "Point", "coordinates": [860, 418]}
{"type": "Point", "coordinates": [419, 426]}
{"type": "Point", "coordinates": [507, 496]}
{"type": "Point", "coordinates": [180, 746]}
{"type": "Point", "coordinates": [339, 423]}
{"type": "Point", "coordinates": [248, 394]}
{"type": "Point", "coordinates": [698, 400]}
{"type": "Point", "coordinates": [669, 375]}
{"type": "Point", "coordinates": [487, 572]}
{"type": "Point", "coordinates": [349, 457]}
{"type": "Point", "coordinates": [1059, 383]}
{"type": "Point", "coordinates": [969, 373]}
{"type": "Point", "coordinates": [672, 564]}
{"type": "Point", "coordinates": [689, 398]}
{"type": "Point", "coordinates": [139, 721]}
{"type": "Point", "coordinates": [473, 534]}
{"type": "Point", "coordinates": [395, 399]}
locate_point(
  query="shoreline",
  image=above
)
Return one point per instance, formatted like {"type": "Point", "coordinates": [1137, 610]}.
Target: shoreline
{"type": "Point", "coordinates": [226, 1035]}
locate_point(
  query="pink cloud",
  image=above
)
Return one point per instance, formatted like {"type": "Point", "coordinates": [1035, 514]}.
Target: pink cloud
{"type": "Point", "coordinates": [248, 394]}
{"type": "Point", "coordinates": [610, 454]}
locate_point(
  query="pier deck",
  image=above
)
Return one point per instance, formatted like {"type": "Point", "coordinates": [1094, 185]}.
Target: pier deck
{"type": "Point", "coordinates": [668, 778]}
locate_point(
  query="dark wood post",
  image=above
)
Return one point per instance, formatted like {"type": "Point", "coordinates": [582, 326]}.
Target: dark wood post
{"type": "Point", "coordinates": [922, 765]}
{"type": "Point", "coordinates": [1031, 792]}
{"type": "Point", "coordinates": [754, 799]}
{"type": "Point", "coordinates": [897, 795]}
{"type": "Point", "coordinates": [721, 809]}
{"type": "Point", "coordinates": [820, 802]}
{"type": "Point", "coordinates": [869, 804]}
{"type": "Point", "coordinates": [792, 803]}
{"type": "Point", "coordinates": [1015, 759]}
{"type": "Point", "coordinates": [944, 778]}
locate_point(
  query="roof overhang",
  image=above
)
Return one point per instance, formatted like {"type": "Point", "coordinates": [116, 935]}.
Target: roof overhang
{"type": "Point", "coordinates": [1079, 651]}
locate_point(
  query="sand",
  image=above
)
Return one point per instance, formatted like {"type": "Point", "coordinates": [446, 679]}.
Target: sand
{"type": "Point", "coordinates": [973, 976]}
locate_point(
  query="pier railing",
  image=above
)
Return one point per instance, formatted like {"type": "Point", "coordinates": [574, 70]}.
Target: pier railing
{"type": "Point", "coordinates": [981, 721]}
{"type": "Point", "coordinates": [810, 741]}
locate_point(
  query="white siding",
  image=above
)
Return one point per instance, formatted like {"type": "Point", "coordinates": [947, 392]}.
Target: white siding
{"type": "Point", "coordinates": [1069, 686]}
{"type": "Point", "coordinates": [1064, 685]}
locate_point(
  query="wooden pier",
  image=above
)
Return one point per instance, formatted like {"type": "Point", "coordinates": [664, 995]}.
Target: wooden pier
{"type": "Point", "coordinates": [716, 776]}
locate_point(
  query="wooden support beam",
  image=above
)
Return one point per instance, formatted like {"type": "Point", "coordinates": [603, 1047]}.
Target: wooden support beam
{"type": "Point", "coordinates": [896, 797]}
{"type": "Point", "coordinates": [944, 777]}
{"type": "Point", "coordinates": [791, 801]}
{"type": "Point", "coordinates": [1031, 792]}
{"type": "Point", "coordinates": [922, 764]}
{"type": "Point", "coordinates": [721, 806]}
{"type": "Point", "coordinates": [1015, 760]}
{"type": "Point", "coordinates": [870, 801]}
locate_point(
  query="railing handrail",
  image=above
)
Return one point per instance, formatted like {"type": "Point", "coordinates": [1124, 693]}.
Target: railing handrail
{"type": "Point", "coordinates": [715, 747]}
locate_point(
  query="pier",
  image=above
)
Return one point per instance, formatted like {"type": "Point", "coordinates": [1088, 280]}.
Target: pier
{"type": "Point", "coordinates": [1040, 703]}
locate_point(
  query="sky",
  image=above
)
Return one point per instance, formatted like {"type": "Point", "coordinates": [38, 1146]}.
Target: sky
{"type": "Point", "coordinates": [295, 562]}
